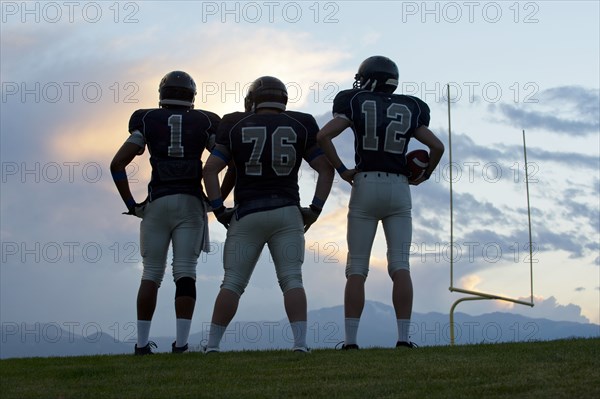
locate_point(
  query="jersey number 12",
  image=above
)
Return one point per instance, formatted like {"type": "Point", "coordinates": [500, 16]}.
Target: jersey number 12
{"type": "Point", "coordinates": [398, 126]}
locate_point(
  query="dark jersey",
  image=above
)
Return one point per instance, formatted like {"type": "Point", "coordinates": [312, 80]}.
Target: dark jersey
{"type": "Point", "coordinates": [267, 150]}
{"type": "Point", "coordinates": [176, 138]}
{"type": "Point", "coordinates": [383, 125]}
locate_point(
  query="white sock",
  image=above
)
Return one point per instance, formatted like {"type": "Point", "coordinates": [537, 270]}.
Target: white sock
{"type": "Point", "coordinates": [299, 331]}
{"type": "Point", "coordinates": [351, 328]}
{"type": "Point", "coordinates": [215, 335]}
{"type": "Point", "coordinates": [183, 332]}
{"type": "Point", "coordinates": [403, 329]}
{"type": "Point", "coordinates": [143, 332]}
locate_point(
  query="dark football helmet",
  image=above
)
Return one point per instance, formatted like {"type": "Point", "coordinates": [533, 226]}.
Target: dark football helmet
{"type": "Point", "coordinates": [377, 73]}
{"type": "Point", "coordinates": [266, 92]}
{"type": "Point", "coordinates": [177, 88]}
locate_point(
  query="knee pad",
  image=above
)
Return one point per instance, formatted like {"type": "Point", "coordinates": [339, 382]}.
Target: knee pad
{"type": "Point", "coordinates": [394, 267]}
{"type": "Point", "coordinates": [357, 264]}
{"type": "Point", "coordinates": [290, 281]}
{"type": "Point", "coordinates": [354, 268]}
{"type": "Point", "coordinates": [185, 286]}
{"type": "Point", "coordinates": [183, 267]}
{"type": "Point", "coordinates": [234, 287]}
{"type": "Point", "coordinates": [153, 274]}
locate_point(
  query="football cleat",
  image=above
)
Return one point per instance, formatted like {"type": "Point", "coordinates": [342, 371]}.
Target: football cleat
{"type": "Point", "coordinates": [301, 349]}
{"type": "Point", "coordinates": [266, 92]}
{"type": "Point", "coordinates": [345, 347]}
{"type": "Point", "coordinates": [377, 73]}
{"type": "Point", "coordinates": [178, 349]}
{"type": "Point", "coordinates": [177, 88]}
{"type": "Point", "coordinates": [208, 350]}
{"type": "Point", "coordinates": [145, 350]}
{"type": "Point", "coordinates": [403, 344]}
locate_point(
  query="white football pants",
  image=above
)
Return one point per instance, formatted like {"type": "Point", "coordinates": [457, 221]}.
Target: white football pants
{"type": "Point", "coordinates": [179, 219]}
{"type": "Point", "coordinates": [282, 230]}
{"type": "Point", "coordinates": [379, 196]}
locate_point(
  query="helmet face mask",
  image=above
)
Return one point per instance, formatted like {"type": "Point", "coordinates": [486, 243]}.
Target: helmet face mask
{"type": "Point", "coordinates": [177, 88]}
{"type": "Point", "coordinates": [266, 92]}
{"type": "Point", "coordinates": [377, 73]}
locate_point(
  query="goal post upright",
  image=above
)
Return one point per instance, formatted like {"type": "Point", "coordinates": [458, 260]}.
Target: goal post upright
{"type": "Point", "coordinates": [451, 194]}
{"type": "Point", "coordinates": [528, 217]}
{"type": "Point", "coordinates": [476, 295]}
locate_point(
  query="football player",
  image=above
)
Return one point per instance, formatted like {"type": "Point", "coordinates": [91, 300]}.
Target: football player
{"type": "Point", "coordinates": [174, 211]}
{"type": "Point", "coordinates": [383, 124]}
{"type": "Point", "coordinates": [267, 145]}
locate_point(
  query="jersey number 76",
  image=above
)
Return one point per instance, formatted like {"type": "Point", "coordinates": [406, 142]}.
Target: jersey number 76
{"type": "Point", "coordinates": [283, 153]}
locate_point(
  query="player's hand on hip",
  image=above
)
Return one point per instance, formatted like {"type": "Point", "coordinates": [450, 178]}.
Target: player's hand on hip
{"type": "Point", "coordinates": [310, 215]}
{"type": "Point", "coordinates": [348, 175]}
{"type": "Point", "coordinates": [137, 209]}
{"type": "Point", "coordinates": [224, 215]}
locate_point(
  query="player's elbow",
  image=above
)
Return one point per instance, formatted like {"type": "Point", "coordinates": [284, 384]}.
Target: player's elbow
{"type": "Point", "coordinates": [117, 165]}
{"type": "Point", "coordinates": [437, 146]}
{"type": "Point", "coordinates": [320, 138]}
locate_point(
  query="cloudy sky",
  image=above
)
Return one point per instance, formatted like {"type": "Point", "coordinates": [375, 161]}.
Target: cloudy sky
{"type": "Point", "coordinates": [73, 72]}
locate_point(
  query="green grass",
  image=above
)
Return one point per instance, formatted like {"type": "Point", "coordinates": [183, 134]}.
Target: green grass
{"type": "Point", "coordinates": [551, 369]}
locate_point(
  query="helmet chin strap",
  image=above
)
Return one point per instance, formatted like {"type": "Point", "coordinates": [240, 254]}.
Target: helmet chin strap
{"type": "Point", "coordinates": [368, 85]}
{"type": "Point", "coordinates": [374, 85]}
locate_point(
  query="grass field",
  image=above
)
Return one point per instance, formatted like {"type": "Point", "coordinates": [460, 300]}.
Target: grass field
{"type": "Point", "coordinates": [550, 369]}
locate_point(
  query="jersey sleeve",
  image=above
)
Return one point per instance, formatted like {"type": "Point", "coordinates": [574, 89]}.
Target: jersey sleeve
{"type": "Point", "coordinates": [136, 130]}
{"type": "Point", "coordinates": [341, 104]}
{"type": "Point", "coordinates": [214, 120]}
{"type": "Point", "coordinates": [311, 150]}
{"type": "Point", "coordinates": [136, 137]}
{"type": "Point", "coordinates": [424, 115]}
{"type": "Point", "coordinates": [136, 122]}
{"type": "Point", "coordinates": [225, 126]}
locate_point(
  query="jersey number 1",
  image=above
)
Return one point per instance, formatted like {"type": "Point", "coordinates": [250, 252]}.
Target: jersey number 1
{"type": "Point", "coordinates": [175, 149]}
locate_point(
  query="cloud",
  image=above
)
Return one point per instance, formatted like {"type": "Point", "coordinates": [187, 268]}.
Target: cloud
{"type": "Point", "coordinates": [470, 282]}
{"type": "Point", "coordinates": [577, 106]}
{"type": "Point", "coordinates": [550, 308]}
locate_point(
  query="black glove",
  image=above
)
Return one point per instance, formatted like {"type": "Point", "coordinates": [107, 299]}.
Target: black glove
{"type": "Point", "coordinates": [309, 216]}
{"type": "Point", "coordinates": [137, 209]}
{"type": "Point", "coordinates": [224, 215]}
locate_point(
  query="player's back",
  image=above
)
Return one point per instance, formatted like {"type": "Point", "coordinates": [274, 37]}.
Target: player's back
{"type": "Point", "coordinates": [383, 125]}
{"type": "Point", "coordinates": [176, 139]}
{"type": "Point", "coordinates": [267, 149]}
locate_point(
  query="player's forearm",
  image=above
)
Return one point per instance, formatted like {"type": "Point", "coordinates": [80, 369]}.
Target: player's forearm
{"type": "Point", "coordinates": [228, 182]}
{"type": "Point", "coordinates": [436, 150]}
{"type": "Point", "coordinates": [325, 139]}
{"type": "Point", "coordinates": [211, 182]}
{"type": "Point", "coordinates": [211, 179]}
{"type": "Point", "coordinates": [324, 183]}
{"type": "Point", "coordinates": [125, 192]}
{"type": "Point", "coordinates": [435, 156]}
{"type": "Point", "coordinates": [329, 150]}
{"type": "Point", "coordinates": [117, 170]}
